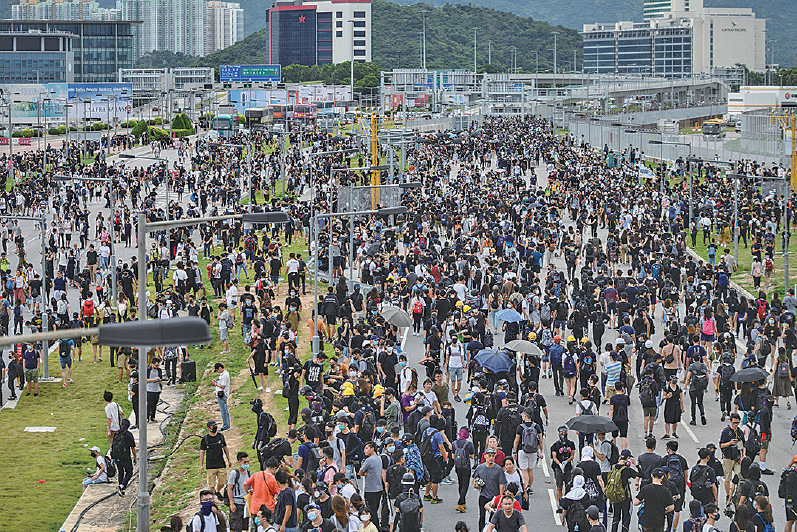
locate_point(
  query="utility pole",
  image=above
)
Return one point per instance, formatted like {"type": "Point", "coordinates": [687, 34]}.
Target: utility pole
{"type": "Point", "coordinates": [489, 52]}
{"type": "Point", "coordinates": [555, 33]}
{"type": "Point", "coordinates": [474, 49]}
{"type": "Point", "coordinates": [423, 47]}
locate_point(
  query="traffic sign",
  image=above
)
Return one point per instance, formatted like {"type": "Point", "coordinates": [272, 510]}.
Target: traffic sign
{"type": "Point", "coordinates": [255, 73]}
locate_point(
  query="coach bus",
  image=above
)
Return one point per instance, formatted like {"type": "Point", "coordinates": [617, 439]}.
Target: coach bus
{"type": "Point", "coordinates": [224, 124]}
{"type": "Point", "coordinates": [258, 118]}
{"type": "Point", "coordinates": [305, 114]}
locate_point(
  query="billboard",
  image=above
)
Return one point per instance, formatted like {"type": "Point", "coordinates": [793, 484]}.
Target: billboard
{"type": "Point", "coordinates": [253, 73]}
{"type": "Point", "coordinates": [86, 100]}
{"type": "Point", "coordinates": [244, 98]}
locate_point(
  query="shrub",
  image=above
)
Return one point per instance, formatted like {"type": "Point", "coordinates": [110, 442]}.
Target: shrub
{"type": "Point", "coordinates": [140, 128]}
{"type": "Point", "coordinates": [53, 131]}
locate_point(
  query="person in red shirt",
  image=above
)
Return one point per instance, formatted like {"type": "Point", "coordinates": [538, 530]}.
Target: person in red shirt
{"type": "Point", "coordinates": [492, 443]}
{"type": "Point", "coordinates": [511, 489]}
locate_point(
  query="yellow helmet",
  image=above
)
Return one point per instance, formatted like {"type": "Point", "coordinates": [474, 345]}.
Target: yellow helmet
{"type": "Point", "coordinates": [571, 338]}
{"type": "Point", "coordinates": [532, 335]}
{"type": "Point", "coordinates": [348, 391]}
{"type": "Point", "coordinates": [465, 308]}
{"type": "Point", "coordinates": [459, 304]}
{"type": "Point", "coordinates": [379, 390]}
{"type": "Point", "coordinates": [584, 340]}
{"type": "Point", "coordinates": [468, 398]}
{"type": "Point", "coordinates": [347, 384]}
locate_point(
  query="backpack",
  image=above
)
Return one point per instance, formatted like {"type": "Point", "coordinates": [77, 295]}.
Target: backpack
{"type": "Point", "coordinates": [461, 456]}
{"type": "Point", "coordinates": [614, 454]}
{"type": "Point", "coordinates": [766, 348]}
{"type": "Point", "coordinates": [118, 446]}
{"type": "Point", "coordinates": [769, 266]}
{"type": "Point", "coordinates": [88, 307]}
{"type": "Point", "coordinates": [410, 511]}
{"type": "Point", "coordinates": [272, 446]}
{"type": "Point", "coordinates": [701, 479]}
{"type": "Point", "coordinates": [646, 395]}
{"type": "Point", "coordinates": [576, 517]}
{"type": "Point", "coordinates": [367, 425]}
{"type": "Point", "coordinates": [762, 309]}
{"type": "Point", "coordinates": [586, 411]}
{"type": "Point", "coordinates": [481, 423]}
{"type": "Point", "coordinates": [700, 381]}
{"type": "Point", "coordinates": [794, 429]}
{"type": "Point", "coordinates": [784, 491]}
{"type": "Point", "coordinates": [626, 336]}
{"type": "Point", "coordinates": [63, 348]}
{"type": "Point", "coordinates": [615, 492]}
{"type": "Point", "coordinates": [767, 526]}
{"type": "Point", "coordinates": [229, 321]}
{"type": "Point", "coordinates": [425, 447]}
{"type": "Point", "coordinates": [783, 369]}
{"type": "Point", "coordinates": [588, 364]}
{"type": "Point", "coordinates": [726, 372]}
{"type": "Point", "coordinates": [110, 469]}
{"type": "Point", "coordinates": [708, 327]}
{"type": "Point", "coordinates": [545, 312]}
{"type": "Point", "coordinates": [569, 366]}
{"type": "Point", "coordinates": [313, 457]}
{"type": "Point", "coordinates": [675, 467]}
{"type": "Point", "coordinates": [530, 438]}
{"type": "Point", "coordinates": [417, 308]}
{"type": "Point", "coordinates": [510, 422]}
{"type": "Point", "coordinates": [722, 280]}
{"type": "Point", "coordinates": [488, 339]}
{"type": "Point", "coordinates": [202, 523]}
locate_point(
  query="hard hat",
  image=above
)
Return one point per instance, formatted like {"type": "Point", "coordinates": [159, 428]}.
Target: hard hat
{"type": "Point", "coordinates": [459, 304]}
{"type": "Point", "coordinates": [348, 391]}
{"type": "Point", "coordinates": [532, 335]}
{"type": "Point", "coordinates": [465, 308]}
{"type": "Point", "coordinates": [379, 390]}
{"type": "Point", "coordinates": [571, 338]}
{"type": "Point", "coordinates": [584, 340]}
{"type": "Point", "coordinates": [557, 338]}
{"type": "Point", "coordinates": [468, 398]}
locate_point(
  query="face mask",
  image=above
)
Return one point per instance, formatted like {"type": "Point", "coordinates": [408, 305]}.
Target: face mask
{"type": "Point", "coordinates": [341, 427]}
{"type": "Point", "coordinates": [316, 494]}
{"type": "Point", "coordinates": [380, 429]}
{"type": "Point", "coordinates": [257, 521]}
{"type": "Point", "coordinates": [207, 507]}
{"type": "Point", "coordinates": [391, 449]}
{"type": "Point", "coordinates": [311, 516]}
{"type": "Point", "coordinates": [402, 364]}
{"type": "Point", "coordinates": [365, 517]}
{"type": "Point", "coordinates": [352, 374]}
{"type": "Point", "coordinates": [563, 437]}
{"type": "Point", "coordinates": [244, 466]}
{"type": "Point", "coordinates": [771, 321]}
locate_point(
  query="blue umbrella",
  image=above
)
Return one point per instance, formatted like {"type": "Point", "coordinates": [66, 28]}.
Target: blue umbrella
{"type": "Point", "coordinates": [508, 314]}
{"type": "Point", "coordinates": [495, 361]}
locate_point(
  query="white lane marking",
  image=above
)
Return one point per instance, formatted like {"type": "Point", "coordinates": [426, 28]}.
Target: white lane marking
{"type": "Point", "coordinates": [544, 467]}
{"type": "Point", "coordinates": [689, 431]}
{"type": "Point", "coordinates": [554, 506]}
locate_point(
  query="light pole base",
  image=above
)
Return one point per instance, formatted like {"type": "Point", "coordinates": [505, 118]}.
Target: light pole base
{"type": "Point", "coordinates": [49, 379]}
{"type": "Point", "coordinates": [142, 509]}
{"type": "Point", "coordinates": [316, 345]}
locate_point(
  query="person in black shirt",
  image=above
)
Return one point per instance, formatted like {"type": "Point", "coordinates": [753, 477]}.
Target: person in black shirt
{"type": "Point", "coordinates": [658, 502]}
{"type": "Point", "coordinates": [313, 371]}
{"type": "Point", "coordinates": [562, 454]}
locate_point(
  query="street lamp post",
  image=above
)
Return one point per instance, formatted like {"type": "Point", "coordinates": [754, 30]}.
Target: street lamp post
{"type": "Point", "coordinates": [474, 48]}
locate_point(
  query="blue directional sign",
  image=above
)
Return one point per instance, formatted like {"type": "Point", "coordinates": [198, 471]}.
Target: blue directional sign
{"type": "Point", "coordinates": [251, 73]}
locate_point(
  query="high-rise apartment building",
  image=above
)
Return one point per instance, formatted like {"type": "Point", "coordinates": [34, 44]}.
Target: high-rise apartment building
{"type": "Point", "coordinates": [224, 25]}
{"type": "Point", "coordinates": [62, 10]}
{"type": "Point", "coordinates": [319, 32]}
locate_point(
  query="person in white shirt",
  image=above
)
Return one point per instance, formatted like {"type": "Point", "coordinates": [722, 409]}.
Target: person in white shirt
{"type": "Point", "coordinates": [100, 476]}
{"type": "Point", "coordinates": [222, 385]}
{"type": "Point", "coordinates": [113, 412]}
{"type": "Point", "coordinates": [206, 500]}
{"type": "Point", "coordinates": [232, 297]}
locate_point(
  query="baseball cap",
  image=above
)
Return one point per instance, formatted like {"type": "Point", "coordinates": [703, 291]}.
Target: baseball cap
{"type": "Point", "coordinates": [648, 344]}
{"type": "Point", "coordinates": [218, 365]}
{"type": "Point", "coordinates": [625, 453]}
{"type": "Point", "coordinates": [489, 450]}
{"type": "Point", "coordinates": [95, 448]}
{"type": "Point", "coordinates": [211, 423]}
{"type": "Point", "coordinates": [593, 512]}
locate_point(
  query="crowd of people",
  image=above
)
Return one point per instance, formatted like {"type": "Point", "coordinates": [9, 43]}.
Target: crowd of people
{"type": "Point", "coordinates": [576, 273]}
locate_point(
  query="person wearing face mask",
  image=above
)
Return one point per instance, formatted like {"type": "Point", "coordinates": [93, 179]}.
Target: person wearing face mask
{"type": "Point", "coordinates": [316, 522]}
{"type": "Point", "coordinates": [562, 455]}
{"type": "Point", "coordinates": [236, 493]}
{"type": "Point", "coordinates": [366, 525]}
{"type": "Point", "coordinates": [207, 518]}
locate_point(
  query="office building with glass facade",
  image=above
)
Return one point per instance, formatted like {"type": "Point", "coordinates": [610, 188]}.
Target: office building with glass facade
{"type": "Point", "coordinates": [319, 33]}
{"type": "Point", "coordinates": [99, 48]}
{"type": "Point", "coordinates": [36, 58]}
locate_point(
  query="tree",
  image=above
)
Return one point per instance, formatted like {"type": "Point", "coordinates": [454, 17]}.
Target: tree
{"type": "Point", "coordinates": [140, 128]}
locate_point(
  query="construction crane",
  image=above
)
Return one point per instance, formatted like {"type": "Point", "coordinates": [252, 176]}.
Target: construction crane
{"type": "Point", "coordinates": [788, 121]}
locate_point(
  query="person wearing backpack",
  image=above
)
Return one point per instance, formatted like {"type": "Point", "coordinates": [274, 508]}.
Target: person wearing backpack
{"type": "Point", "coordinates": [100, 475]}
{"type": "Point", "coordinates": [235, 494]}
{"type": "Point", "coordinates": [782, 378]}
{"type": "Point", "coordinates": [618, 489]}
{"type": "Point", "coordinates": [527, 447]}
{"type": "Point", "coordinates": [697, 383]}
{"type": "Point", "coordinates": [762, 519]}
{"type": "Point", "coordinates": [787, 490]}
{"type": "Point", "coordinates": [726, 385]}
{"type": "Point", "coordinates": [703, 479]}
{"type": "Point", "coordinates": [658, 502]}
{"type": "Point", "coordinates": [464, 454]}
{"type": "Point", "coordinates": [585, 407]}
{"type": "Point", "coordinates": [677, 470]}
{"type": "Point", "coordinates": [752, 487]}
{"type": "Point", "coordinates": [409, 507]}
{"type": "Point", "coordinates": [573, 506]}
{"type": "Point", "coordinates": [122, 445]}
{"type": "Point", "coordinates": [434, 456]}
{"type": "Point", "coordinates": [649, 397]}
{"type": "Point", "coordinates": [207, 519]}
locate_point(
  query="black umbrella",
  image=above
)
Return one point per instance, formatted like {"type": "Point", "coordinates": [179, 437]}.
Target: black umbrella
{"type": "Point", "coordinates": [252, 373]}
{"type": "Point", "coordinates": [591, 424]}
{"type": "Point", "coordinates": [753, 374]}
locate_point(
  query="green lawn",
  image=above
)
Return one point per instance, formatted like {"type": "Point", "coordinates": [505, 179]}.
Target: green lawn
{"type": "Point", "coordinates": [743, 277]}
{"type": "Point", "coordinates": [59, 458]}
